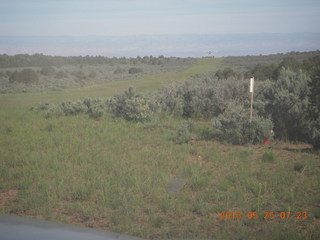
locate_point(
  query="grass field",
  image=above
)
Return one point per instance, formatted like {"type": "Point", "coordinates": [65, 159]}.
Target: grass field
{"type": "Point", "coordinates": [133, 178]}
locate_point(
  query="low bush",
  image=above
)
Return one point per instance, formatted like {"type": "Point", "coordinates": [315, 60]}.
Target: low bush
{"type": "Point", "coordinates": [119, 70]}
{"type": "Point", "coordinates": [92, 74]}
{"type": "Point", "coordinates": [48, 71]}
{"type": "Point", "coordinates": [269, 156]}
{"type": "Point", "coordinates": [135, 70]}
{"type": "Point", "coordinates": [79, 75]}
{"type": "Point", "coordinates": [131, 106]}
{"type": "Point", "coordinates": [96, 107]}
{"type": "Point", "coordinates": [61, 74]}
{"type": "Point", "coordinates": [184, 132]}
{"type": "Point", "coordinates": [73, 108]}
{"type": "Point", "coordinates": [25, 76]}
{"type": "Point", "coordinates": [54, 111]}
{"type": "Point", "coordinates": [233, 126]}
{"type": "Point", "coordinates": [298, 167]}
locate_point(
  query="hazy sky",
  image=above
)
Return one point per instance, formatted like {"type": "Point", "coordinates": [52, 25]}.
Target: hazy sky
{"type": "Point", "coordinates": [135, 17]}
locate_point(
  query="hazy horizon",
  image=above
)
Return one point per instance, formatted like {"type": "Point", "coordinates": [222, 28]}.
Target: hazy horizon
{"type": "Point", "coordinates": [179, 45]}
{"type": "Point", "coordinates": [153, 27]}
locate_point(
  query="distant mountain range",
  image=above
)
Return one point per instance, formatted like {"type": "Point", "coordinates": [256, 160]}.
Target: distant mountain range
{"type": "Point", "coordinates": [193, 45]}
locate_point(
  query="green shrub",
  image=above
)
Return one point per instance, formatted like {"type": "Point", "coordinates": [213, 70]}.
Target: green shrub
{"type": "Point", "coordinates": [119, 70]}
{"type": "Point", "coordinates": [96, 107]}
{"type": "Point", "coordinates": [131, 106]}
{"type": "Point", "coordinates": [48, 71]}
{"type": "Point", "coordinates": [25, 76]}
{"type": "Point", "coordinates": [298, 167]}
{"type": "Point", "coordinates": [79, 75]}
{"type": "Point", "coordinates": [73, 108]}
{"type": "Point", "coordinates": [54, 111]}
{"type": "Point", "coordinates": [225, 74]}
{"type": "Point", "coordinates": [233, 126]}
{"type": "Point", "coordinates": [206, 133]}
{"type": "Point", "coordinates": [286, 102]}
{"type": "Point", "coordinates": [61, 74]}
{"type": "Point", "coordinates": [184, 132]}
{"type": "Point", "coordinates": [135, 70]}
{"type": "Point", "coordinates": [41, 106]}
{"type": "Point", "coordinates": [268, 156]}
{"type": "Point", "coordinates": [203, 97]}
{"type": "Point", "coordinates": [92, 74]}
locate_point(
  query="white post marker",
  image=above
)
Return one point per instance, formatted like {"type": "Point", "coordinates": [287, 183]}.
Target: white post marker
{"type": "Point", "coordinates": [251, 90]}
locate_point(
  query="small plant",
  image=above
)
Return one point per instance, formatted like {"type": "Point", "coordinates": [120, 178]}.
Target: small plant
{"type": "Point", "coordinates": [268, 156]}
{"type": "Point", "coordinates": [298, 167]}
{"type": "Point", "coordinates": [184, 132]}
{"type": "Point", "coordinates": [206, 133]}
{"type": "Point", "coordinates": [316, 212]}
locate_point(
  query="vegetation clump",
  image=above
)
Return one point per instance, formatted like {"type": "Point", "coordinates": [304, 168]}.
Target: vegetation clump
{"type": "Point", "coordinates": [25, 76]}
{"type": "Point", "coordinates": [269, 157]}
{"type": "Point", "coordinates": [135, 70]}
{"type": "Point", "coordinates": [131, 106]}
{"type": "Point", "coordinates": [48, 71]}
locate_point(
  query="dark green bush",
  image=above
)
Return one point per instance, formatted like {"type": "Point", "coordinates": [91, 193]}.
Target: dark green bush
{"type": "Point", "coordinates": [54, 111]}
{"type": "Point", "coordinates": [135, 70]}
{"type": "Point", "coordinates": [79, 75]}
{"type": "Point", "coordinates": [298, 167]}
{"type": "Point", "coordinates": [96, 107]}
{"type": "Point", "coordinates": [269, 156]}
{"type": "Point", "coordinates": [184, 132]}
{"type": "Point", "coordinates": [119, 70]}
{"type": "Point", "coordinates": [48, 71]}
{"type": "Point", "coordinates": [92, 74]}
{"type": "Point", "coordinates": [225, 73]}
{"type": "Point", "coordinates": [61, 74]}
{"type": "Point", "coordinates": [73, 108]}
{"type": "Point", "coordinates": [25, 76]}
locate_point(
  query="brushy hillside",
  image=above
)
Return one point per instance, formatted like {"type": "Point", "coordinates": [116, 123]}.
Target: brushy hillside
{"type": "Point", "coordinates": [155, 179]}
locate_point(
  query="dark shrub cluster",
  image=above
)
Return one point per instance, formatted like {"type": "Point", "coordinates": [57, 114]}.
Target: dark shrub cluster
{"type": "Point", "coordinates": [135, 70]}
{"type": "Point", "coordinates": [95, 108]}
{"type": "Point", "coordinates": [233, 126]}
{"type": "Point", "coordinates": [203, 97]}
{"type": "Point", "coordinates": [61, 74]}
{"type": "Point", "coordinates": [48, 71]}
{"type": "Point", "coordinates": [24, 76]}
{"type": "Point", "coordinates": [120, 70]}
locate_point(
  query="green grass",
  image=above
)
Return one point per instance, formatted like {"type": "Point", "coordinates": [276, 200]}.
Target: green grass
{"type": "Point", "coordinates": [133, 178]}
{"type": "Point", "coordinates": [147, 83]}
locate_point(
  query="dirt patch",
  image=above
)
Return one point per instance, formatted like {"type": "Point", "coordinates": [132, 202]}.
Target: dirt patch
{"type": "Point", "coordinates": [78, 218]}
{"type": "Point", "coordinates": [7, 197]}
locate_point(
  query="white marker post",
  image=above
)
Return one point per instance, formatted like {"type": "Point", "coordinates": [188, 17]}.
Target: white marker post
{"type": "Point", "coordinates": [251, 90]}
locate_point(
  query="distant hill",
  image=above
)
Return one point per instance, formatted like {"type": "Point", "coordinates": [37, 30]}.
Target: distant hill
{"type": "Point", "coordinates": [193, 45]}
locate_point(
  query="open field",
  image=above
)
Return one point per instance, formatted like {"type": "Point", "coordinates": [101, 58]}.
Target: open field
{"type": "Point", "coordinates": [133, 178]}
